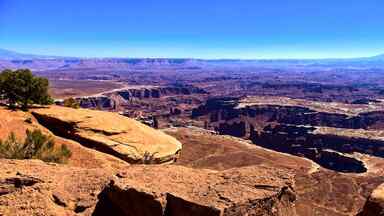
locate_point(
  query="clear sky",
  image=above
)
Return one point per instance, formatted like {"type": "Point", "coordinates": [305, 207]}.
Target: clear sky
{"type": "Point", "coordinates": [194, 28]}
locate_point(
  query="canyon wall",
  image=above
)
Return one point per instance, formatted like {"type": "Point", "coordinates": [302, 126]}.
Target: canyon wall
{"type": "Point", "coordinates": [294, 130]}
{"type": "Point", "coordinates": [111, 100]}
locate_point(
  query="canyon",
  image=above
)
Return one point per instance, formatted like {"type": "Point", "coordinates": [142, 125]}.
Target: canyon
{"type": "Point", "coordinates": [327, 133]}
{"type": "Point", "coordinates": [177, 135]}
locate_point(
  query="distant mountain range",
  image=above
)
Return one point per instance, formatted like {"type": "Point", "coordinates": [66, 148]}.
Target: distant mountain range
{"type": "Point", "coordinates": [11, 59]}
{"type": "Point", "coordinates": [378, 57]}
{"type": "Point", "coordinates": [12, 55]}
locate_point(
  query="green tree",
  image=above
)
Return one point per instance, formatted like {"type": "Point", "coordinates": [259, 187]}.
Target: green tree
{"type": "Point", "coordinates": [21, 87]}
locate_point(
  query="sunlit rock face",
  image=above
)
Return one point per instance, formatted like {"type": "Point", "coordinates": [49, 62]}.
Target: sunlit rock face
{"type": "Point", "coordinates": [32, 187]}
{"type": "Point", "coordinates": [110, 100]}
{"type": "Point", "coordinates": [110, 133]}
{"type": "Point", "coordinates": [173, 190]}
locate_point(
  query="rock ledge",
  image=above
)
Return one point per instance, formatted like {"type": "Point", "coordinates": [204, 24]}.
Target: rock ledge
{"type": "Point", "coordinates": [111, 133]}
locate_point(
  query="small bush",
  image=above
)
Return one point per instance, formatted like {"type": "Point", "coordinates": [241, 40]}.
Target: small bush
{"type": "Point", "coordinates": [36, 146]}
{"type": "Point", "coordinates": [72, 103]}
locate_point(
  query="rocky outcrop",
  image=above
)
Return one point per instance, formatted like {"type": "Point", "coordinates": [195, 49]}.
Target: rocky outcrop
{"type": "Point", "coordinates": [173, 191]}
{"type": "Point", "coordinates": [110, 100]}
{"type": "Point", "coordinates": [110, 133]}
{"type": "Point", "coordinates": [155, 92]}
{"type": "Point", "coordinates": [322, 132]}
{"type": "Point", "coordinates": [100, 102]}
{"type": "Point", "coordinates": [36, 188]}
{"type": "Point", "coordinates": [93, 102]}
{"type": "Point", "coordinates": [32, 187]}
{"type": "Point", "coordinates": [375, 203]}
{"type": "Point", "coordinates": [17, 122]}
{"type": "Point", "coordinates": [326, 146]}
{"type": "Point", "coordinates": [225, 109]}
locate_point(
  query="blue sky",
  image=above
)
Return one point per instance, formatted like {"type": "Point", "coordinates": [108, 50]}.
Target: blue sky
{"type": "Point", "coordinates": [194, 28]}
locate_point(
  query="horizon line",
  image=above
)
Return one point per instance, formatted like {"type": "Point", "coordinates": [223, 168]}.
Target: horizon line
{"type": "Point", "coordinates": [54, 56]}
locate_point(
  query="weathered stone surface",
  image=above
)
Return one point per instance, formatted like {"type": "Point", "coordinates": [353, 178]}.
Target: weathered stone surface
{"type": "Point", "coordinates": [18, 122]}
{"type": "Point", "coordinates": [111, 133]}
{"type": "Point", "coordinates": [32, 187]}
{"type": "Point", "coordinates": [375, 203]}
{"type": "Point", "coordinates": [176, 190]}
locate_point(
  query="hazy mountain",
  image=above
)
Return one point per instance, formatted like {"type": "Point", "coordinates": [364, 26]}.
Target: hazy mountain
{"type": "Point", "coordinates": [7, 54]}
{"type": "Point", "coordinates": [12, 55]}
{"type": "Point", "coordinates": [11, 59]}
{"type": "Point", "coordinates": [378, 57]}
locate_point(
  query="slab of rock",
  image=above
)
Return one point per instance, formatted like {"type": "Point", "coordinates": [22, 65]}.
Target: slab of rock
{"type": "Point", "coordinates": [17, 122]}
{"type": "Point", "coordinates": [111, 133]}
{"type": "Point", "coordinates": [32, 187]}
{"type": "Point", "coordinates": [375, 203]}
{"type": "Point", "coordinates": [176, 190]}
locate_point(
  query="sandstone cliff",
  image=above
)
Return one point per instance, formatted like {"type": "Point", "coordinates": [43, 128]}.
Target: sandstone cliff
{"type": "Point", "coordinates": [110, 100]}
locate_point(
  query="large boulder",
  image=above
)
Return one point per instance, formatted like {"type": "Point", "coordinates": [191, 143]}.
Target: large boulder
{"type": "Point", "coordinates": [375, 203]}
{"type": "Point", "coordinates": [17, 122]}
{"type": "Point", "coordinates": [111, 133]}
{"type": "Point", "coordinates": [176, 190]}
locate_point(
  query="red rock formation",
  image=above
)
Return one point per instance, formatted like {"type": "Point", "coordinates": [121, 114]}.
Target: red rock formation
{"type": "Point", "coordinates": [32, 187]}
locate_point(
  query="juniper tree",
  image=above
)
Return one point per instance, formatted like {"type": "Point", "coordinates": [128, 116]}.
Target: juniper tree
{"type": "Point", "coordinates": [21, 87]}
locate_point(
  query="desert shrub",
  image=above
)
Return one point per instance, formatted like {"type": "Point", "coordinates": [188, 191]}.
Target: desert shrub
{"type": "Point", "coordinates": [35, 146]}
{"type": "Point", "coordinates": [21, 87]}
{"type": "Point", "coordinates": [11, 148]}
{"type": "Point", "coordinates": [71, 102]}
